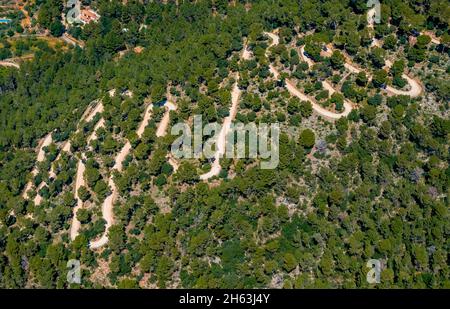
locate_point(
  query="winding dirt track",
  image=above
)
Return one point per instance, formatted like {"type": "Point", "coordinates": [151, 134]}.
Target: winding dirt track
{"type": "Point", "coordinates": [162, 131]}
{"type": "Point", "coordinates": [415, 87]}
{"type": "Point", "coordinates": [79, 179]}
{"type": "Point", "coordinates": [107, 207]}
{"type": "Point", "coordinates": [304, 58]}
{"type": "Point", "coordinates": [415, 90]}
{"type": "Point", "coordinates": [9, 64]}
{"type": "Point", "coordinates": [173, 162]}
{"type": "Point", "coordinates": [108, 203]}
{"type": "Point", "coordinates": [290, 86]}
{"type": "Point", "coordinates": [348, 106]}
{"type": "Point", "coordinates": [40, 157]}
{"type": "Point", "coordinates": [79, 182]}
{"type": "Point", "coordinates": [87, 117]}
{"type": "Point", "coordinates": [164, 123]}
{"type": "Point", "coordinates": [246, 54]}
{"type": "Point", "coordinates": [221, 140]}
{"type": "Point", "coordinates": [433, 37]}
{"type": "Point", "coordinates": [317, 108]}
{"type": "Point", "coordinates": [275, 41]}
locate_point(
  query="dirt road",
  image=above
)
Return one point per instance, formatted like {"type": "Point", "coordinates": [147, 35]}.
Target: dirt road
{"type": "Point", "coordinates": [144, 123]}
{"type": "Point", "coordinates": [246, 54]}
{"type": "Point", "coordinates": [304, 58]}
{"type": "Point", "coordinates": [79, 179]}
{"type": "Point", "coordinates": [221, 140]}
{"type": "Point", "coordinates": [71, 40]}
{"type": "Point", "coordinates": [87, 116]}
{"type": "Point", "coordinates": [414, 91]}
{"type": "Point", "coordinates": [290, 86]}
{"type": "Point", "coordinates": [107, 212]}
{"type": "Point", "coordinates": [41, 156]}
{"type": "Point", "coordinates": [173, 162]}
{"type": "Point", "coordinates": [9, 64]}
{"type": "Point", "coordinates": [371, 17]}
{"type": "Point", "coordinates": [164, 123]}
{"type": "Point", "coordinates": [162, 131]}
{"type": "Point", "coordinates": [46, 141]}
{"type": "Point", "coordinates": [275, 40]}
{"type": "Point", "coordinates": [79, 182]}
{"type": "Point", "coordinates": [433, 37]}
{"type": "Point", "coordinates": [415, 87]}
{"type": "Point", "coordinates": [108, 203]}
{"type": "Point", "coordinates": [93, 136]}
{"type": "Point", "coordinates": [319, 109]}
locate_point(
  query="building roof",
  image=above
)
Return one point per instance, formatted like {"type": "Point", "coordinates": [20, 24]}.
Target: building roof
{"type": "Point", "coordinates": [88, 15]}
{"type": "Point", "coordinates": [138, 49]}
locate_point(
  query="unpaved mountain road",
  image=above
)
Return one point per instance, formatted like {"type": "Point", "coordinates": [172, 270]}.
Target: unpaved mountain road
{"type": "Point", "coordinates": [246, 54]}
{"type": "Point", "coordinates": [415, 87]}
{"type": "Point", "coordinates": [88, 115]}
{"type": "Point", "coordinates": [79, 182]}
{"type": "Point", "coordinates": [275, 41]}
{"type": "Point", "coordinates": [108, 203]}
{"type": "Point", "coordinates": [317, 108]}
{"type": "Point", "coordinates": [162, 131]}
{"type": "Point", "coordinates": [46, 141]}
{"type": "Point", "coordinates": [290, 86]}
{"type": "Point", "coordinates": [226, 126]}
{"type": "Point", "coordinates": [164, 123]}
{"type": "Point", "coordinates": [9, 64]}
{"type": "Point", "coordinates": [79, 179]}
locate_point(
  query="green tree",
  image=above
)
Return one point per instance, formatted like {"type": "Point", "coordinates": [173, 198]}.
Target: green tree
{"type": "Point", "coordinates": [83, 193]}
{"type": "Point", "coordinates": [187, 173]}
{"type": "Point", "coordinates": [289, 262]}
{"type": "Point", "coordinates": [57, 28]}
{"type": "Point", "coordinates": [307, 138]}
{"type": "Point", "coordinates": [361, 79]}
{"type": "Point", "coordinates": [83, 215]}
{"type": "Point", "coordinates": [337, 60]}
{"type": "Point", "coordinates": [379, 78]}
{"type": "Point", "coordinates": [312, 51]}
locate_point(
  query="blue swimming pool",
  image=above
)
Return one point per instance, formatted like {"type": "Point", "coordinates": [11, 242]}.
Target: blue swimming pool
{"type": "Point", "coordinates": [5, 20]}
